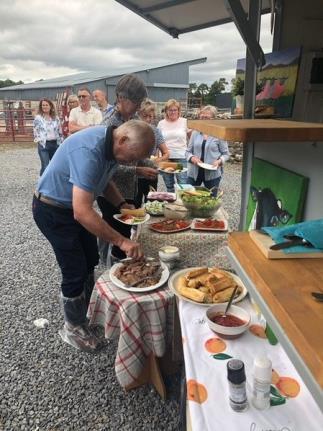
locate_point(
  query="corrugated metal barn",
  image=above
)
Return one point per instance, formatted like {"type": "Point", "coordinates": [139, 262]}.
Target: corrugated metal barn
{"type": "Point", "coordinates": [163, 82]}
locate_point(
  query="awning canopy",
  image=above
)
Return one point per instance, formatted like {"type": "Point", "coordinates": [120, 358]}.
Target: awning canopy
{"type": "Point", "coordinates": [183, 16]}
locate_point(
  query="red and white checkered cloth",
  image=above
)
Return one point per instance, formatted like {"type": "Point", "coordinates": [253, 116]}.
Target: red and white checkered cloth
{"type": "Point", "coordinates": [143, 322]}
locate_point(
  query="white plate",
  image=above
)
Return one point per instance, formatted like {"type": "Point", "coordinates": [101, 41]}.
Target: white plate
{"type": "Point", "coordinates": [173, 279]}
{"type": "Point", "coordinates": [209, 229]}
{"type": "Point", "coordinates": [119, 283]}
{"type": "Point", "coordinates": [116, 216]}
{"type": "Point", "coordinates": [173, 173]}
{"type": "Point", "coordinates": [207, 166]}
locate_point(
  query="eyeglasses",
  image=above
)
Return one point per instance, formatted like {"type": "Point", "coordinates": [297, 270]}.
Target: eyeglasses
{"type": "Point", "coordinates": [172, 110]}
{"type": "Point", "coordinates": [83, 96]}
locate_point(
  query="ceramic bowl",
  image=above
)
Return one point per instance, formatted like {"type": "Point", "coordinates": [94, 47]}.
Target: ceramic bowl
{"type": "Point", "coordinates": [228, 331]}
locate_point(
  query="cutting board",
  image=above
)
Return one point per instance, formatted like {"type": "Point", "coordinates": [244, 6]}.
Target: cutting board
{"type": "Point", "coordinates": [264, 242]}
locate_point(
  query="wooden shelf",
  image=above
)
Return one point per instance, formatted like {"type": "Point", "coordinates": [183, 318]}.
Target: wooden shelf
{"type": "Point", "coordinates": [261, 130]}
{"type": "Point", "coordinates": [282, 288]}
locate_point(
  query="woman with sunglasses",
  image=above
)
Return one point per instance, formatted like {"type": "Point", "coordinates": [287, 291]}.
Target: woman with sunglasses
{"type": "Point", "coordinates": [147, 113]}
{"type": "Point", "coordinates": [72, 102]}
{"type": "Point", "coordinates": [47, 132]}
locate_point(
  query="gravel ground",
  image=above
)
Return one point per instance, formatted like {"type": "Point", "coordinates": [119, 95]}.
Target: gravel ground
{"type": "Point", "coordinates": [45, 384]}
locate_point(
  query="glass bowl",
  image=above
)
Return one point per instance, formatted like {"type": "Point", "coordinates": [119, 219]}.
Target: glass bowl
{"type": "Point", "coordinates": [202, 208]}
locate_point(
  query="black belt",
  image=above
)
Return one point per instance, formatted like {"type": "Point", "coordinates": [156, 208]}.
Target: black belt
{"type": "Point", "coordinates": [49, 201]}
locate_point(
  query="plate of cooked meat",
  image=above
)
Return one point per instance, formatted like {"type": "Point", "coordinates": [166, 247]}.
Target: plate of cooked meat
{"type": "Point", "coordinates": [170, 226]}
{"type": "Point", "coordinates": [210, 224]}
{"type": "Point", "coordinates": [139, 275]}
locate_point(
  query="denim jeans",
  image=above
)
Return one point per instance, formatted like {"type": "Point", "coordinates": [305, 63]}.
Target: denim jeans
{"type": "Point", "coordinates": [169, 179]}
{"type": "Point", "coordinates": [46, 154]}
{"type": "Point", "coordinates": [75, 248]}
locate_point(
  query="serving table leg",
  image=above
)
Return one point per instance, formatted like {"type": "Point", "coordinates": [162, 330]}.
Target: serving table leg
{"type": "Point", "coordinates": [150, 374]}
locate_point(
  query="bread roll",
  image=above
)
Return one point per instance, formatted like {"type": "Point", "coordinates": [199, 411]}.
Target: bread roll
{"type": "Point", "coordinates": [198, 281]}
{"type": "Point", "coordinates": [216, 285]}
{"type": "Point", "coordinates": [140, 212]}
{"type": "Point", "coordinates": [194, 294]}
{"type": "Point", "coordinates": [225, 294]}
{"type": "Point", "coordinates": [196, 272]}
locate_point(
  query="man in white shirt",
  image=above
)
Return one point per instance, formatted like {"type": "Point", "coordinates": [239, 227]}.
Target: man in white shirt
{"type": "Point", "coordinates": [101, 100]}
{"type": "Point", "coordinates": [84, 115]}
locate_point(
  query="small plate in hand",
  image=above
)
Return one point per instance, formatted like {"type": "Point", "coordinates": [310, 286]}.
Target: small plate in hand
{"type": "Point", "coordinates": [207, 166]}
{"type": "Point", "coordinates": [131, 221]}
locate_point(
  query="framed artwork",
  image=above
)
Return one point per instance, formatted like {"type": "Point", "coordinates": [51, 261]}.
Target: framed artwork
{"type": "Point", "coordinates": [276, 197]}
{"type": "Point", "coordinates": [276, 83]}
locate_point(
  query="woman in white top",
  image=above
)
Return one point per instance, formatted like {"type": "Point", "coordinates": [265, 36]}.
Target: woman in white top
{"type": "Point", "coordinates": [47, 132]}
{"type": "Point", "coordinates": [174, 130]}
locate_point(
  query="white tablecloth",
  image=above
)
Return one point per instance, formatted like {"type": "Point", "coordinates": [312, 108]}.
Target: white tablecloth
{"type": "Point", "coordinates": [215, 414]}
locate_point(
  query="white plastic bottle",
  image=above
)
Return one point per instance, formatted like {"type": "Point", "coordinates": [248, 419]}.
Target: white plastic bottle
{"type": "Point", "coordinates": [261, 382]}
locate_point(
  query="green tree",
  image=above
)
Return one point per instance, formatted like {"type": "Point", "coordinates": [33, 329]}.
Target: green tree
{"type": "Point", "coordinates": [217, 87]}
{"type": "Point", "coordinates": [192, 89]}
{"type": "Point", "coordinates": [203, 91]}
{"type": "Point", "coordinates": [8, 83]}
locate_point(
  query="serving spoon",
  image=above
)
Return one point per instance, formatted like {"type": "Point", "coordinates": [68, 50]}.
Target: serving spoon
{"type": "Point", "coordinates": [230, 302]}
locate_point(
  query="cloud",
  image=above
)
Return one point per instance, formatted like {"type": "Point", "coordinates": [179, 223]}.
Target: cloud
{"type": "Point", "coordinates": [47, 39]}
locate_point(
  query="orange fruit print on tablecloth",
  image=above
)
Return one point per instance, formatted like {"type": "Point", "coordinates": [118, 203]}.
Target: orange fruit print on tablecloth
{"type": "Point", "coordinates": [215, 345]}
{"type": "Point", "coordinates": [258, 331]}
{"type": "Point", "coordinates": [274, 377]}
{"type": "Point", "coordinates": [288, 386]}
{"type": "Point", "coordinates": [196, 391]}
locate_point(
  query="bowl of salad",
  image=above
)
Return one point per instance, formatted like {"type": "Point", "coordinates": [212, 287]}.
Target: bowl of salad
{"type": "Point", "coordinates": [200, 203]}
{"type": "Point", "coordinates": [155, 208]}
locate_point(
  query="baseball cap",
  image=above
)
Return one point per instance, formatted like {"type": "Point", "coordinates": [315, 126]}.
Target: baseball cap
{"type": "Point", "coordinates": [131, 87]}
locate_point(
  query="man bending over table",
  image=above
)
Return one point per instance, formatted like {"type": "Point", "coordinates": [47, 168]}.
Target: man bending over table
{"type": "Point", "coordinates": [82, 169]}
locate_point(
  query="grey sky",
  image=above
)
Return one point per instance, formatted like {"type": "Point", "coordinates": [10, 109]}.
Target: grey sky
{"type": "Point", "coordinates": [48, 39]}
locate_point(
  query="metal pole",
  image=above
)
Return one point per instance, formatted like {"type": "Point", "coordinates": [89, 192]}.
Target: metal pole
{"type": "Point", "coordinates": [254, 19]}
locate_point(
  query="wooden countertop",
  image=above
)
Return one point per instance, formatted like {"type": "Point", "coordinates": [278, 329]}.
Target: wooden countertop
{"type": "Point", "coordinates": [261, 130]}
{"type": "Point", "coordinates": [286, 285]}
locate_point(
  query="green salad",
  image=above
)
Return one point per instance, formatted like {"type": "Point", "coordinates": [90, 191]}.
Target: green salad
{"type": "Point", "coordinates": [201, 199]}
{"type": "Point", "coordinates": [200, 203]}
{"type": "Point", "coordinates": [155, 207]}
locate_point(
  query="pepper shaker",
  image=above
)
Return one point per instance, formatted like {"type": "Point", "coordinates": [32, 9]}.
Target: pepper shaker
{"type": "Point", "coordinates": [237, 385]}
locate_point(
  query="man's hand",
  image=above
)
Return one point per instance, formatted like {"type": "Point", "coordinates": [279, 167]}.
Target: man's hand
{"type": "Point", "coordinates": [127, 206]}
{"type": "Point", "coordinates": [131, 248]}
{"type": "Point", "coordinates": [148, 173]}
{"type": "Point", "coordinates": [195, 160]}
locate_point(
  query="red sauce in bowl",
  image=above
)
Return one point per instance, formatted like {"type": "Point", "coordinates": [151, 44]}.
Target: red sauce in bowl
{"type": "Point", "coordinates": [229, 320]}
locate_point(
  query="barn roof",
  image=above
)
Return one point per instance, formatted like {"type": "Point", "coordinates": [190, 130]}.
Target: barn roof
{"type": "Point", "coordinates": [84, 77]}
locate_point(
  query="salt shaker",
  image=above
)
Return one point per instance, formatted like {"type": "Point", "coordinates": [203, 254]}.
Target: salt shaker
{"type": "Point", "coordinates": [169, 255]}
{"type": "Point", "coordinates": [261, 382]}
{"type": "Point", "coordinates": [237, 385]}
